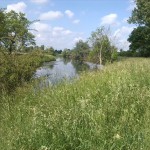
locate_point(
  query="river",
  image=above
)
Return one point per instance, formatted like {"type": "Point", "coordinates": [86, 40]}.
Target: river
{"type": "Point", "coordinates": [56, 71]}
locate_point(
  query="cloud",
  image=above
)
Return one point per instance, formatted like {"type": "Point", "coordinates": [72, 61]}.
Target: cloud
{"type": "Point", "coordinates": [110, 19]}
{"type": "Point", "coordinates": [69, 13]}
{"type": "Point", "coordinates": [60, 31]}
{"type": "Point", "coordinates": [124, 30]}
{"type": "Point", "coordinates": [77, 39]}
{"type": "Point", "coordinates": [132, 5]}
{"type": "Point", "coordinates": [41, 27]}
{"type": "Point", "coordinates": [18, 7]}
{"type": "Point", "coordinates": [51, 15]}
{"type": "Point", "coordinates": [39, 1]}
{"type": "Point", "coordinates": [57, 36]}
{"type": "Point", "coordinates": [76, 21]}
{"type": "Point", "coordinates": [121, 35]}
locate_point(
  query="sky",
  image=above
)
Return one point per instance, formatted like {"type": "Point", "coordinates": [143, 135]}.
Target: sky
{"type": "Point", "coordinates": [62, 23]}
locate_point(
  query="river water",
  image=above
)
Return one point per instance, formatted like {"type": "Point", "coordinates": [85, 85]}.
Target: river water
{"type": "Point", "coordinates": [56, 71]}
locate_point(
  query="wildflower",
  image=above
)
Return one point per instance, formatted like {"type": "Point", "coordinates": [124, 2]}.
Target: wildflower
{"type": "Point", "coordinates": [43, 148]}
{"type": "Point", "coordinates": [117, 136]}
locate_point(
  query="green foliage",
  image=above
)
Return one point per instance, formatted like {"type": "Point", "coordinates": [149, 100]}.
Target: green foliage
{"type": "Point", "coordinates": [140, 36]}
{"type": "Point", "coordinates": [19, 68]}
{"type": "Point", "coordinates": [81, 50]}
{"type": "Point", "coordinates": [139, 40]}
{"type": "Point", "coordinates": [103, 50]}
{"type": "Point", "coordinates": [103, 110]}
{"type": "Point", "coordinates": [2, 23]}
{"type": "Point", "coordinates": [50, 51]}
{"type": "Point", "coordinates": [141, 14]}
{"type": "Point", "coordinates": [66, 53]}
{"type": "Point", "coordinates": [15, 34]}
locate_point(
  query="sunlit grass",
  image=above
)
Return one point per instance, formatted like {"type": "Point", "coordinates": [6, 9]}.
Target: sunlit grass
{"type": "Point", "coordinates": [103, 110]}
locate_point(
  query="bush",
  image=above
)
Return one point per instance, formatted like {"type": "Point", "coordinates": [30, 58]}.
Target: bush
{"type": "Point", "coordinates": [17, 69]}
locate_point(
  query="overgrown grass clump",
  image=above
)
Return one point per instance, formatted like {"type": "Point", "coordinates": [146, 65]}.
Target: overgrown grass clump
{"type": "Point", "coordinates": [15, 69]}
{"type": "Point", "coordinates": [104, 110]}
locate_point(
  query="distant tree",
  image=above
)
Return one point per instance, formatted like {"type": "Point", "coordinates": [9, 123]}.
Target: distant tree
{"type": "Point", "coordinates": [81, 50]}
{"type": "Point", "coordinates": [66, 53]}
{"type": "Point", "coordinates": [102, 48]}
{"type": "Point", "coordinates": [42, 47]}
{"type": "Point", "coordinates": [50, 50]}
{"type": "Point", "coordinates": [58, 52]}
{"type": "Point", "coordinates": [15, 33]}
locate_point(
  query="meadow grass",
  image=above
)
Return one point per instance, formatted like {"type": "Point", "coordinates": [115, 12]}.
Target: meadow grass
{"type": "Point", "coordinates": [102, 110]}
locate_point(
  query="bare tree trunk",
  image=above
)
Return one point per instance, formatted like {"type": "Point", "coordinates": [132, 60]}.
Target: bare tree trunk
{"type": "Point", "coordinates": [100, 54]}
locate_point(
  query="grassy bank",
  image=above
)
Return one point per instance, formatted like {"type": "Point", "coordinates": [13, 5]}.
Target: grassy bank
{"type": "Point", "coordinates": [15, 69]}
{"type": "Point", "coordinates": [103, 110]}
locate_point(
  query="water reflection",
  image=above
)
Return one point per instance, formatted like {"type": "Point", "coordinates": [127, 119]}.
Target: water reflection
{"type": "Point", "coordinates": [61, 69]}
{"type": "Point", "coordinates": [80, 66]}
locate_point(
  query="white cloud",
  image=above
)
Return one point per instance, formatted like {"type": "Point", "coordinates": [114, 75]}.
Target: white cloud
{"type": "Point", "coordinates": [77, 39]}
{"type": "Point", "coordinates": [41, 27]}
{"type": "Point", "coordinates": [57, 36]}
{"type": "Point", "coordinates": [60, 31]}
{"type": "Point", "coordinates": [69, 13]}
{"type": "Point", "coordinates": [39, 1]}
{"type": "Point", "coordinates": [131, 6]}
{"type": "Point", "coordinates": [18, 7]}
{"type": "Point", "coordinates": [51, 15]}
{"type": "Point", "coordinates": [121, 35]}
{"type": "Point", "coordinates": [76, 21]}
{"type": "Point", "coordinates": [124, 30]}
{"type": "Point", "coordinates": [110, 19]}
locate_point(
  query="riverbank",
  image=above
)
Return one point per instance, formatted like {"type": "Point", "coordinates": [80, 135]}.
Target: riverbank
{"type": "Point", "coordinates": [107, 109]}
{"type": "Point", "coordinates": [18, 68]}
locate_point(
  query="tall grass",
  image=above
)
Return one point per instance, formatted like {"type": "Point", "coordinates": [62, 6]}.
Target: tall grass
{"type": "Point", "coordinates": [103, 110]}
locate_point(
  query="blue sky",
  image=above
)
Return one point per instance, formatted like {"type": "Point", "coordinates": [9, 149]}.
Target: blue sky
{"type": "Point", "coordinates": [64, 22]}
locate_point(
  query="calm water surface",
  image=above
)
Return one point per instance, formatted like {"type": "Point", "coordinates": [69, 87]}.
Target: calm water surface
{"type": "Point", "coordinates": [61, 69]}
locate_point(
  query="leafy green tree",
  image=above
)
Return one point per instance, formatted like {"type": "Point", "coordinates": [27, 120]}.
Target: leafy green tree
{"type": "Point", "coordinates": [81, 50]}
{"type": "Point", "coordinates": [102, 48]}
{"type": "Point", "coordinates": [42, 47]}
{"type": "Point", "coordinates": [141, 14]}
{"type": "Point", "coordinates": [50, 51]}
{"type": "Point", "coordinates": [139, 39]}
{"type": "Point", "coordinates": [66, 53]}
{"type": "Point", "coordinates": [15, 34]}
{"type": "Point", "coordinates": [140, 36]}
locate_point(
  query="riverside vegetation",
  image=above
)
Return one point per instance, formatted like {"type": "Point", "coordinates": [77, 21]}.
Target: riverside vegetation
{"type": "Point", "coordinates": [17, 68]}
{"type": "Point", "coordinates": [106, 109]}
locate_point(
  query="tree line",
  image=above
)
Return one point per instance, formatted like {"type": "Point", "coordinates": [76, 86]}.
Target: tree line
{"type": "Point", "coordinates": [99, 48]}
{"type": "Point", "coordinates": [16, 35]}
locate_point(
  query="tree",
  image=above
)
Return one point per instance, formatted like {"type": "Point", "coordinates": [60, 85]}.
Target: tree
{"type": "Point", "coordinates": [141, 14]}
{"type": "Point", "coordinates": [42, 47]}
{"type": "Point", "coordinates": [81, 50]}
{"type": "Point", "coordinates": [140, 36]}
{"type": "Point", "coordinates": [139, 40]}
{"type": "Point", "coordinates": [66, 53]}
{"type": "Point", "coordinates": [15, 34]}
{"type": "Point", "coordinates": [50, 51]}
{"type": "Point", "coordinates": [2, 24]}
{"type": "Point", "coordinates": [102, 47]}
